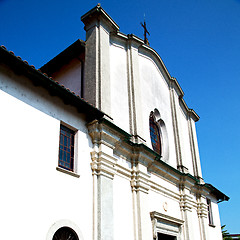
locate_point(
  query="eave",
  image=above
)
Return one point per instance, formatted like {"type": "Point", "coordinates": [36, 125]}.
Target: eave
{"type": "Point", "coordinates": [74, 50]}
{"type": "Point", "coordinates": [220, 196]}
{"type": "Point", "coordinates": [54, 88]}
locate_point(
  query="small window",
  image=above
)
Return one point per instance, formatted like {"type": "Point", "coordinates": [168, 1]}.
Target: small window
{"type": "Point", "coordinates": [155, 135]}
{"type": "Point", "coordinates": [65, 233]}
{"type": "Point", "coordinates": [210, 215]}
{"type": "Point", "coordinates": [66, 148]}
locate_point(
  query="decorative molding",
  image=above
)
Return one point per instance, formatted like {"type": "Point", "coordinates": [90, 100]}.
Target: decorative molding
{"type": "Point", "coordinates": [165, 217]}
{"type": "Point", "coordinates": [183, 169]}
{"type": "Point", "coordinates": [114, 153]}
{"type": "Point", "coordinates": [162, 222]}
{"type": "Point", "coordinates": [186, 202]}
{"type": "Point", "coordinates": [189, 111]}
{"type": "Point", "coordinates": [139, 181]}
{"type": "Point", "coordinates": [202, 210]}
{"type": "Point", "coordinates": [67, 172]}
{"type": "Point", "coordinates": [164, 191]}
{"type": "Point", "coordinates": [96, 12]}
{"type": "Point", "coordinates": [103, 164]}
{"type": "Point", "coordinates": [165, 206]}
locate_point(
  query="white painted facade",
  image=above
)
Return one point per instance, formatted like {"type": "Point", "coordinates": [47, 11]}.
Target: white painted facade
{"type": "Point", "coordinates": [119, 187]}
{"type": "Point", "coordinates": [34, 194]}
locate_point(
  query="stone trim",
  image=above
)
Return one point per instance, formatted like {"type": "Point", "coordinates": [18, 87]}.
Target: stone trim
{"type": "Point", "coordinates": [99, 11]}
{"type": "Point", "coordinates": [164, 191]}
{"type": "Point", "coordinates": [63, 223]}
{"type": "Point", "coordinates": [67, 172]}
{"type": "Point", "coordinates": [202, 210]}
{"type": "Point", "coordinates": [139, 181]}
{"type": "Point", "coordinates": [162, 223]}
{"type": "Point", "coordinates": [112, 143]}
{"type": "Point", "coordinates": [165, 217]}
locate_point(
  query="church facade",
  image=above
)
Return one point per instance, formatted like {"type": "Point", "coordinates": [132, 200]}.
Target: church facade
{"type": "Point", "coordinates": [100, 144]}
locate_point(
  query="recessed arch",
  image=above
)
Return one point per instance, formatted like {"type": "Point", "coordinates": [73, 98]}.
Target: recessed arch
{"type": "Point", "coordinates": [165, 142]}
{"type": "Point", "coordinates": [158, 135]}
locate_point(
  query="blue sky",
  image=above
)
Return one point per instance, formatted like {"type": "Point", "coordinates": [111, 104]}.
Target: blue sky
{"type": "Point", "coordinates": [199, 42]}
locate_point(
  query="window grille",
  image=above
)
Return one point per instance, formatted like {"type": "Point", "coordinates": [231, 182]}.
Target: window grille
{"type": "Point", "coordinates": [155, 135]}
{"type": "Point", "coordinates": [66, 148]}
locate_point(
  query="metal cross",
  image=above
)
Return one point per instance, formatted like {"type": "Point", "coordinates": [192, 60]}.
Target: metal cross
{"type": "Point", "coordinates": [145, 33]}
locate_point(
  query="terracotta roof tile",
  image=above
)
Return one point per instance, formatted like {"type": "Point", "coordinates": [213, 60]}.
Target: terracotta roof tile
{"type": "Point", "coordinates": [50, 79]}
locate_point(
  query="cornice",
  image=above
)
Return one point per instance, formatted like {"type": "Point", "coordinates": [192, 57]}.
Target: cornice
{"type": "Point", "coordinates": [173, 224]}
{"type": "Point", "coordinates": [121, 142]}
{"type": "Point", "coordinates": [190, 112]}
{"type": "Point", "coordinates": [186, 202]}
{"type": "Point", "coordinates": [220, 195]}
{"type": "Point", "coordinates": [164, 191]}
{"type": "Point", "coordinates": [97, 12]}
{"type": "Point", "coordinates": [172, 82]}
{"type": "Point", "coordinates": [139, 181]}
{"type": "Point", "coordinates": [103, 164]}
{"type": "Point", "coordinates": [202, 210]}
{"type": "Point", "coordinates": [158, 216]}
{"type": "Point", "coordinates": [117, 141]}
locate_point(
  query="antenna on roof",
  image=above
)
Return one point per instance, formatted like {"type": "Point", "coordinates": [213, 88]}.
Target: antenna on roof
{"type": "Point", "coordinates": [144, 25]}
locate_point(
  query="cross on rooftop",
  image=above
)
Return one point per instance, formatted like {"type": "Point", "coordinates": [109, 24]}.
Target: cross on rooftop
{"type": "Point", "coordinates": [145, 32]}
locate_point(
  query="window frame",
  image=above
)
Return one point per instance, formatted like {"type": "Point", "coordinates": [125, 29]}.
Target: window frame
{"type": "Point", "coordinates": [72, 169]}
{"type": "Point", "coordinates": [210, 214]}
{"type": "Point", "coordinates": [153, 125]}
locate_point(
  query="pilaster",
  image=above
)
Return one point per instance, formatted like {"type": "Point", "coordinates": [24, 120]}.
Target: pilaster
{"type": "Point", "coordinates": [202, 212]}
{"type": "Point", "coordinates": [103, 170]}
{"type": "Point", "coordinates": [186, 201]}
{"type": "Point", "coordinates": [173, 99]}
{"type": "Point", "coordinates": [135, 104]}
{"type": "Point", "coordinates": [140, 188]}
{"type": "Point", "coordinates": [98, 26]}
{"type": "Point", "coordinates": [194, 149]}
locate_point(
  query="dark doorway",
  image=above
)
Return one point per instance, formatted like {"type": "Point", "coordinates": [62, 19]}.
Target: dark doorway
{"type": "Point", "coordinates": [162, 236]}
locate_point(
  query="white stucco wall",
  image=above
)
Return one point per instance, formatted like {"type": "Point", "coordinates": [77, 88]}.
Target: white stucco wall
{"type": "Point", "coordinates": [34, 194]}
{"type": "Point", "coordinates": [165, 203]}
{"type": "Point", "coordinates": [185, 142]}
{"type": "Point", "coordinates": [119, 87]}
{"type": "Point", "coordinates": [214, 232]}
{"type": "Point", "coordinates": [123, 209]}
{"type": "Point", "coordinates": [194, 225]}
{"type": "Point", "coordinates": [126, 188]}
{"type": "Point", "coordinates": [70, 75]}
{"type": "Point", "coordinates": [155, 94]}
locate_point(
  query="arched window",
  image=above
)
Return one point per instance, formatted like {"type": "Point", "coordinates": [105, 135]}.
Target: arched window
{"type": "Point", "coordinates": [155, 135]}
{"type": "Point", "coordinates": [65, 233]}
